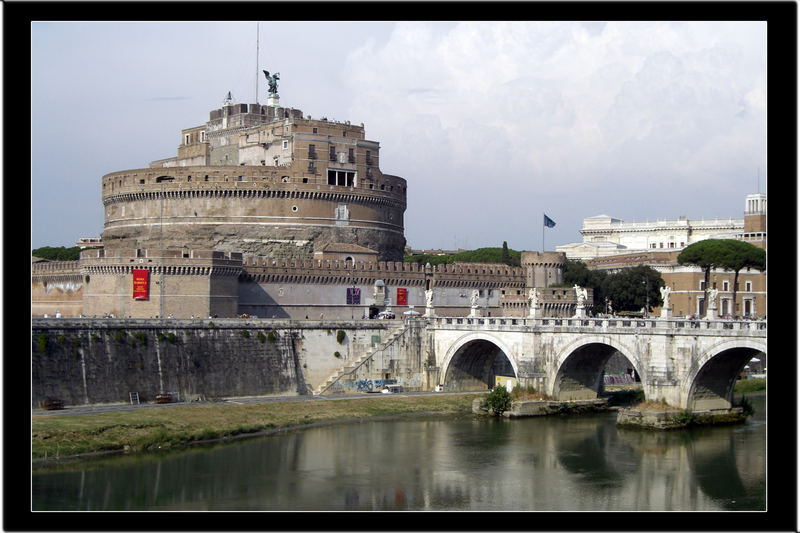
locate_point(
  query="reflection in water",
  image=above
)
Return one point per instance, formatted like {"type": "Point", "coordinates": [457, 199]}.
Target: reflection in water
{"type": "Point", "coordinates": [554, 463]}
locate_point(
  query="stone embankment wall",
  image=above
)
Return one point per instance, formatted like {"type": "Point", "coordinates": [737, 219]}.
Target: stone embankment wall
{"type": "Point", "coordinates": [94, 361]}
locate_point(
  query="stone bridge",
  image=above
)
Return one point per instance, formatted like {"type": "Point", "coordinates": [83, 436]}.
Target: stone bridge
{"type": "Point", "coordinates": [691, 364]}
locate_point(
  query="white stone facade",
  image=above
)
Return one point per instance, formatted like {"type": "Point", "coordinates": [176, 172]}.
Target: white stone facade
{"type": "Point", "coordinates": [605, 236]}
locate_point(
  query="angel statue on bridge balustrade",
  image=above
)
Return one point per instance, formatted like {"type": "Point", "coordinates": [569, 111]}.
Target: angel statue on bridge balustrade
{"type": "Point", "coordinates": [533, 298]}
{"type": "Point", "coordinates": [665, 290]}
{"type": "Point", "coordinates": [581, 294]}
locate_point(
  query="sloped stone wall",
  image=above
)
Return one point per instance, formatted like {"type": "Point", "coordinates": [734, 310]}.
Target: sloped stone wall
{"type": "Point", "coordinates": [95, 361]}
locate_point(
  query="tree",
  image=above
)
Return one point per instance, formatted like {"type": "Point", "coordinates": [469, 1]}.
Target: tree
{"type": "Point", "coordinates": [57, 253]}
{"type": "Point", "coordinates": [633, 288]}
{"type": "Point", "coordinates": [577, 273]}
{"type": "Point", "coordinates": [741, 255]}
{"type": "Point", "coordinates": [505, 257]}
{"type": "Point", "coordinates": [706, 254]}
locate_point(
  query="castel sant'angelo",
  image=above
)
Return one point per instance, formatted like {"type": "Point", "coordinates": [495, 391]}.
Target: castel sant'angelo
{"type": "Point", "coordinates": [269, 213]}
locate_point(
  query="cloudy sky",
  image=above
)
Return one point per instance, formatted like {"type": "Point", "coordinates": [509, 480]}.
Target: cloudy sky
{"type": "Point", "coordinates": [492, 124]}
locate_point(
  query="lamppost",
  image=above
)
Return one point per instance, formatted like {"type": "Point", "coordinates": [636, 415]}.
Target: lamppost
{"type": "Point", "coordinates": [646, 294]}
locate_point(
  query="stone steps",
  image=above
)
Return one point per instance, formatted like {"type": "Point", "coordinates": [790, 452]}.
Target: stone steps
{"type": "Point", "coordinates": [353, 365]}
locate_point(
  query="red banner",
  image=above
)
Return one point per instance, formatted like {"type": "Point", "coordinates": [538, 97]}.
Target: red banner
{"type": "Point", "coordinates": [141, 283]}
{"type": "Point", "coordinates": [402, 296]}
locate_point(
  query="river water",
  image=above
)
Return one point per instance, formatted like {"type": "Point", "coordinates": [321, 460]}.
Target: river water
{"type": "Point", "coordinates": [572, 463]}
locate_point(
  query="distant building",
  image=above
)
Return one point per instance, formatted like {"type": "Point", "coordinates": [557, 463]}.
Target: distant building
{"type": "Point", "coordinates": [658, 244]}
{"type": "Point", "coordinates": [605, 236]}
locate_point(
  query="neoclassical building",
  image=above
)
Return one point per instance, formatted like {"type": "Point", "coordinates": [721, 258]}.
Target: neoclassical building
{"type": "Point", "coordinates": [611, 244]}
{"type": "Point", "coordinates": [605, 236]}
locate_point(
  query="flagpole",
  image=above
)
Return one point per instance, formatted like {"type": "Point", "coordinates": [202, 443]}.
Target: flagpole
{"type": "Point", "coordinates": [542, 232]}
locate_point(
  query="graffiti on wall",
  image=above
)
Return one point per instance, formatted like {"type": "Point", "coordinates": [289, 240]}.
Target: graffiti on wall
{"type": "Point", "coordinates": [369, 385]}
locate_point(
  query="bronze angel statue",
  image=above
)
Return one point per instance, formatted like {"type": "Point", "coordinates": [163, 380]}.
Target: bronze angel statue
{"type": "Point", "coordinates": [272, 81]}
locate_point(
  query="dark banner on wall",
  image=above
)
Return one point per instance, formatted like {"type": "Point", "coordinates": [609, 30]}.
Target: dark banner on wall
{"type": "Point", "coordinates": [402, 296]}
{"type": "Point", "coordinates": [353, 296]}
{"type": "Point", "coordinates": [141, 283]}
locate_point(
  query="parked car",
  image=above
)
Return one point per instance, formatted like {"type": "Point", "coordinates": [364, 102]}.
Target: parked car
{"type": "Point", "coordinates": [385, 315]}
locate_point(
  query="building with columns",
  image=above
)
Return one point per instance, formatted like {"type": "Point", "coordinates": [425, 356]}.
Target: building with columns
{"type": "Point", "coordinates": [658, 244]}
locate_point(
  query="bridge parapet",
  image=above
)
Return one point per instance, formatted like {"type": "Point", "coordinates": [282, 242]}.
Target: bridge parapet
{"type": "Point", "coordinates": [758, 328]}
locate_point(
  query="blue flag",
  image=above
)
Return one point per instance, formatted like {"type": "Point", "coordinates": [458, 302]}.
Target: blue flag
{"type": "Point", "coordinates": [549, 222]}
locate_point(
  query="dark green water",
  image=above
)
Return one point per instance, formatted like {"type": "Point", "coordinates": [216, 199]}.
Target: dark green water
{"type": "Point", "coordinates": [577, 463]}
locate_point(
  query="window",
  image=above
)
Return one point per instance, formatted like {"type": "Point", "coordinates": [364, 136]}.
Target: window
{"type": "Point", "coordinates": [342, 178]}
{"type": "Point", "coordinates": [186, 139]}
{"type": "Point", "coordinates": [351, 156]}
{"type": "Point", "coordinates": [314, 130]}
{"type": "Point", "coordinates": [702, 285]}
{"type": "Point", "coordinates": [748, 286]}
{"type": "Point", "coordinates": [285, 145]}
{"type": "Point", "coordinates": [312, 151]}
{"type": "Point", "coordinates": [332, 153]}
{"type": "Point", "coordinates": [725, 285]}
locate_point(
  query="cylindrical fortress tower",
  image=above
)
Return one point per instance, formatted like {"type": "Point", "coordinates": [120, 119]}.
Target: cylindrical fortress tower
{"type": "Point", "coordinates": [263, 181]}
{"type": "Point", "coordinates": [253, 210]}
{"type": "Point", "coordinates": [543, 269]}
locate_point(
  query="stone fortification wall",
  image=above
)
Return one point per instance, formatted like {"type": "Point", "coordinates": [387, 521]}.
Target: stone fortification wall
{"type": "Point", "coordinates": [270, 211]}
{"type": "Point", "coordinates": [90, 361]}
{"type": "Point", "coordinates": [198, 283]}
{"type": "Point", "coordinates": [56, 286]}
{"type": "Point", "coordinates": [312, 289]}
{"type": "Point", "coordinates": [544, 269]}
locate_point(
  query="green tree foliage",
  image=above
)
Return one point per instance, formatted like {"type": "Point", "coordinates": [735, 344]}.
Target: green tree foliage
{"type": "Point", "coordinates": [480, 255]}
{"type": "Point", "coordinates": [498, 401]}
{"type": "Point", "coordinates": [505, 257]}
{"type": "Point", "coordinates": [59, 253]}
{"type": "Point", "coordinates": [630, 289]}
{"type": "Point", "coordinates": [740, 255]}
{"type": "Point", "coordinates": [708, 254]}
{"type": "Point", "coordinates": [577, 273]}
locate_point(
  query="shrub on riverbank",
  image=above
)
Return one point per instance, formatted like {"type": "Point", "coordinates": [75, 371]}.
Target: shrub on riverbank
{"type": "Point", "coordinates": [498, 401]}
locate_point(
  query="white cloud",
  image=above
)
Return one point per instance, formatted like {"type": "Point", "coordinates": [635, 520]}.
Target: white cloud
{"type": "Point", "coordinates": [542, 110]}
{"type": "Point", "coordinates": [490, 123]}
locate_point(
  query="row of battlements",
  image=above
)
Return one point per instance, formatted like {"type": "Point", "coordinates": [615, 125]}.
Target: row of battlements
{"type": "Point", "coordinates": [55, 267]}
{"type": "Point", "coordinates": [381, 266]}
{"type": "Point", "coordinates": [133, 254]}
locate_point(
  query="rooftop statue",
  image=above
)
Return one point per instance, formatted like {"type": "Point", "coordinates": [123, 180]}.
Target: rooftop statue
{"type": "Point", "coordinates": [272, 81]}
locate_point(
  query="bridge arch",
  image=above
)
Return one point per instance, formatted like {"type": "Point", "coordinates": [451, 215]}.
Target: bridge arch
{"type": "Point", "coordinates": [578, 372]}
{"type": "Point", "coordinates": [709, 384]}
{"type": "Point", "coordinates": [474, 359]}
